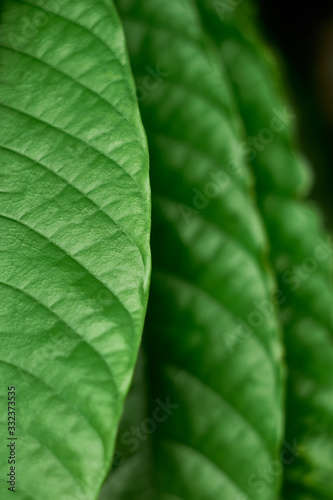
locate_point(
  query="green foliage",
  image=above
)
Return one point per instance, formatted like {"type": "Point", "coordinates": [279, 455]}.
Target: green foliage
{"type": "Point", "coordinates": [211, 340]}
{"type": "Point", "coordinates": [241, 282]}
{"type": "Point", "coordinates": [301, 251]}
{"type": "Point", "coordinates": [74, 263]}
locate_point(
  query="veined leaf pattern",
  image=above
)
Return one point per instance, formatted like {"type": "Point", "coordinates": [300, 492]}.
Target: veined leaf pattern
{"type": "Point", "coordinates": [75, 223]}
{"type": "Point", "coordinates": [211, 345]}
{"type": "Point", "coordinates": [301, 251]}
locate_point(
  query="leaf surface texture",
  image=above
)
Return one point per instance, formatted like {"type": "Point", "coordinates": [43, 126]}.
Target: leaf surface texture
{"type": "Point", "coordinates": [75, 223]}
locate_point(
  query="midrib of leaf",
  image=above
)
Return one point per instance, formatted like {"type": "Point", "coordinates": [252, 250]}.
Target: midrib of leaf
{"type": "Point", "coordinates": [75, 218]}
{"type": "Point", "coordinates": [212, 386]}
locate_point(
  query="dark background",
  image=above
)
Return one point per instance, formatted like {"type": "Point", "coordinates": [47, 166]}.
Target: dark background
{"type": "Point", "coordinates": [303, 34]}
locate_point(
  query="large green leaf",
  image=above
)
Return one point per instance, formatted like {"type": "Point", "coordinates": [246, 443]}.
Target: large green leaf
{"type": "Point", "coordinates": [74, 222]}
{"type": "Point", "coordinates": [300, 249]}
{"type": "Point", "coordinates": [211, 348]}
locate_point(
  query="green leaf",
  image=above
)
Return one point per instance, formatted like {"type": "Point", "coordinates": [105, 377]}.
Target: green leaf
{"type": "Point", "coordinates": [211, 344]}
{"type": "Point", "coordinates": [301, 251]}
{"type": "Point", "coordinates": [75, 259]}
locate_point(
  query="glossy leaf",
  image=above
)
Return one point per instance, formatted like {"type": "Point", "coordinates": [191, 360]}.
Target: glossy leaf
{"type": "Point", "coordinates": [74, 222]}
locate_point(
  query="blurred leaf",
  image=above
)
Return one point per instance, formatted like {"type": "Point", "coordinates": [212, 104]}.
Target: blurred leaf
{"type": "Point", "coordinates": [301, 251]}
{"type": "Point", "coordinates": [75, 220]}
{"type": "Point", "coordinates": [211, 341]}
